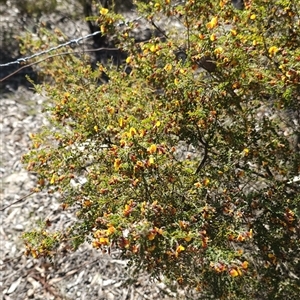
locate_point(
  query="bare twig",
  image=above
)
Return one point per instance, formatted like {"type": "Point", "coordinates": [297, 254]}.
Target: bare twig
{"type": "Point", "coordinates": [47, 286]}
{"type": "Point", "coordinates": [17, 201]}
{"type": "Point", "coordinates": [159, 29]}
{"type": "Point", "coordinates": [204, 159]}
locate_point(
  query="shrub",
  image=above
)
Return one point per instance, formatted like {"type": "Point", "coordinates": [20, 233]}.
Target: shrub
{"type": "Point", "coordinates": [189, 163]}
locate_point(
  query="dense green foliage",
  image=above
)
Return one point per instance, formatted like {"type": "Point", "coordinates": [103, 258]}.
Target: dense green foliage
{"type": "Point", "coordinates": [221, 218]}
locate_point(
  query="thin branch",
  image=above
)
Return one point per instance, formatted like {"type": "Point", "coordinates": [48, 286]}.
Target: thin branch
{"type": "Point", "coordinates": [159, 29]}
{"type": "Point", "coordinates": [204, 159]}
{"type": "Point", "coordinates": [17, 201]}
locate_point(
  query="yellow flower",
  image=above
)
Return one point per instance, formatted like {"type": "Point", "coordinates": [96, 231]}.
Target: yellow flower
{"type": "Point", "coordinates": [151, 160]}
{"type": "Point", "coordinates": [110, 230]}
{"type": "Point", "coordinates": [240, 238]}
{"type": "Point", "coordinates": [154, 48]}
{"type": "Point", "coordinates": [245, 265]}
{"type": "Point", "coordinates": [197, 184]}
{"type": "Point", "coordinates": [158, 230]}
{"type": "Point", "coordinates": [128, 60]}
{"type": "Point", "coordinates": [151, 236]}
{"type": "Point", "coordinates": [142, 132]}
{"type": "Point", "coordinates": [34, 253]}
{"type": "Point", "coordinates": [233, 32]}
{"type": "Point", "coordinates": [53, 179]}
{"type": "Point", "coordinates": [273, 50]}
{"type": "Point", "coordinates": [121, 122]}
{"type": "Point", "coordinates": [222, 3]}
{"type": "Point", "coordinates": [103, 241]}
{"type": "Point", "coordinates": [168, 67]}
{"type": "Point", "coordinates": [132, 132]}
{"type": "Point", "coordinates": [103, 11]}
{"type": "Point", "coordinates": [139, 163]}
{"type": "Point", "coordinates": [157, 124]}
{"type": "Point", "coordinates": [111, 110]}
{"type": "Point", "coordinates": [253, 17]}
{"type": "Point", "coordinates": [117, 164]}
{"type": "Point", "coordinates": [213, 23]}
{"type": "Point", "coordinates": [213, 37]}
{"type": "Point", "coordinates": [102, 29]}
{"type": "Point", "coordinates": [179, 249]}
{"type": "Point", "coordinates": [143, 207]}
{"type": "Point", "coordinates": [122, 143]}
{"type": "Point", "coordinates": [157, 6]}
{"type": "Point", "coordinates": [206, 182]}
{"type": "Point", "coordinates": [218, 50]}
{"type": "Point", "coordinates": [152, 149]}
{"type": "Point", "coordinates": [250, 234]}
{"type": "Point", "coordinates": [127, 210]}
{"type": "Point", "coordinates": [234, 273]}
{"type": "Point", "coordinates": [246, 151]}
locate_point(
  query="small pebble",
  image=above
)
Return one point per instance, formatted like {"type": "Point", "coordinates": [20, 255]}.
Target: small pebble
{"type": "Point", "coordinates": [19, 227]}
